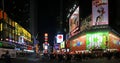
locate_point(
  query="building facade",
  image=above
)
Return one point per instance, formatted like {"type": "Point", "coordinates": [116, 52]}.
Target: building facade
{"type": "Point", "coordinates": [89, 30]}
{"type": "Point", "coordinates": [12, 32]}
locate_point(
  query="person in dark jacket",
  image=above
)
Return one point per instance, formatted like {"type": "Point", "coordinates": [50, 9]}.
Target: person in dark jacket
{"type": "Point", "coordinates": [7, 57]}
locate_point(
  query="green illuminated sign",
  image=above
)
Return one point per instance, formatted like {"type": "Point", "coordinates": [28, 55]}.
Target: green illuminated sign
{"type": "Point", "coordinates": [96, 40]}
{"type": "Point", "coordinates": [0, 44]}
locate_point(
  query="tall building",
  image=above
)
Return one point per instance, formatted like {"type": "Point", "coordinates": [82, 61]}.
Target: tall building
{"type": "Point", "coordinates": [18, 12]}
{"type": "Point", "coordinates": [91, 27]}
{"type": "Point", "coordinates": [33, 17]}
{"type": "Point", "coordinates": [13, 33]}
{"type": "Point", "coordinates": [26, 14]}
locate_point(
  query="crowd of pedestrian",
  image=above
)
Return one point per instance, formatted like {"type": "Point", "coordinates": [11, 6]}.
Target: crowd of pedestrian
{"type": "Point", "coordinates": [82, 56]}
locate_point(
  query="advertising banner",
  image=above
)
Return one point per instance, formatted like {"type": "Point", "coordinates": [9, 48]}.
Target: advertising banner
{"type": "Point", "coordinates": [74, 22]}
{"type": "Point", "coordinates": [62, 44]}
{"type": "Point", "coordinates": [1, 44]}
{"type": "Point", "coordinates": [21, 40]}
{"type": "Point", "coordinates": [57, 46]}
{"type": "Point", "coordinates": [78, 43]}
{"type": "Point", "coordinates": [114, 42]}
{"type": "Point", "coordinates": [97, 40]}
{"type": "Point", "coordinates": [99, 12]}
{"type": "Point", "coordinates": [45, 45]}
{"type": "Point", "coordinates": [59, 38]}
{"type": "Point", "coordinates": [86, 23]}
{"type": "Point", "coordinates": [1, 14]}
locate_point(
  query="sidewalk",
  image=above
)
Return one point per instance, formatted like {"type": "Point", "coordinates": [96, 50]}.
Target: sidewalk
{"type": "Point", "coordinates": [32, 57]}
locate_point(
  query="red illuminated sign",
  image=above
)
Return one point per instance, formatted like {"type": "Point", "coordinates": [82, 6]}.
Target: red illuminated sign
{"type": "Point", "coordinates": [59, 38]}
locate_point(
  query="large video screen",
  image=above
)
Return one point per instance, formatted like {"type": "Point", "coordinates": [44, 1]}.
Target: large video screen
{"type": "Point", "coordinates": [100, 12]}
{"type": "Point", "coordinates": [97, 40]}
{"type": "Point", "coordinates": [74, 22]}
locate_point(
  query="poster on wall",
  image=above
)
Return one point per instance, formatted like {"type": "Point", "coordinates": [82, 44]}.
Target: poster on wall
{"type": "Point", "coordinates": [99, 12]}
{"type": "Point", "coordinates": [97, 40]}
{"type": "Point", "coordinates": [74, 22]}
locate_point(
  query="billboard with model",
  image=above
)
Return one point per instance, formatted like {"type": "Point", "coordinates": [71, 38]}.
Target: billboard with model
{"type": "Point", "coordinates": [74, 22]}
{"type": "Point", "coordinates": [99, 12]}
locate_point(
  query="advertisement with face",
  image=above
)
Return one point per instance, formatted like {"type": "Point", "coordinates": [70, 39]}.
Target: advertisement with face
{"type": "Point", "coordinates": [100, 12]}
{"type": "Point", "coordinates": [97, 40]}
{"type": "Point", "coordinates": [74, 22]}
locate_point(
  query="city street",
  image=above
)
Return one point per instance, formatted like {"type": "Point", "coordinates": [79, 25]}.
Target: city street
{"type": "Point", "coordinates": [59, 31]}
{"type": "Point", "coordinates": [37, 60]}
{"type": "Point", "coordinates": [33, 59]}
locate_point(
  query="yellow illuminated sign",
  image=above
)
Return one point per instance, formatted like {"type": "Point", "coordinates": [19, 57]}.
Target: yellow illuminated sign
{"type": "Point", "coordinates": [1, 28]}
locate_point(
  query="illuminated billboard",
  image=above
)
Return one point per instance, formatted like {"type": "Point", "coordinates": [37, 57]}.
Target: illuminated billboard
{"type": "Point", "coordinates": [21, 40]}
{"type": "Point", "coordinates": [19, 30]}
{"type": "Point", "coordinates": [97, 40]}
{"type": "Point", "coordinates": [57, 46]}
{"type": "Point", "coordinates": [59, 38]}
{"type": "Point", "coordinates": [62, 44]}
{"type": "Point", "coordinates": [99, 12]}
{"type": "Point", "coordinates": [1, 14]}
{"type": "Point", "coordinates": [1, 44]}
{"type": "Point", "coordinates": [85, 24]}
{"type": "Point", "coordinates": [114, 42]}
{"type": "Point", "coordinates": [45, 45]}
{"type": "Point", "coordinates": [78, 43]}
{"type": "Point", "coordinates": [74, 22]}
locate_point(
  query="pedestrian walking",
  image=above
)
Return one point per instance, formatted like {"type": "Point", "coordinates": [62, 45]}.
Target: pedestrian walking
{"type": "Point", "coordinates": [7, 57]}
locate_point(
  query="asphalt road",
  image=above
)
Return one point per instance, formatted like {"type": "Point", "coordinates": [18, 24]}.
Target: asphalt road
{"type": "Point", "coordinates": [42, 59]}
{"type": "Point", "coordinates": [39, 60]}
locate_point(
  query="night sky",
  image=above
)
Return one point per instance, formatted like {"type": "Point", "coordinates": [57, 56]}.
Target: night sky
{"type": "Point", "coordinates": [47, 15]}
